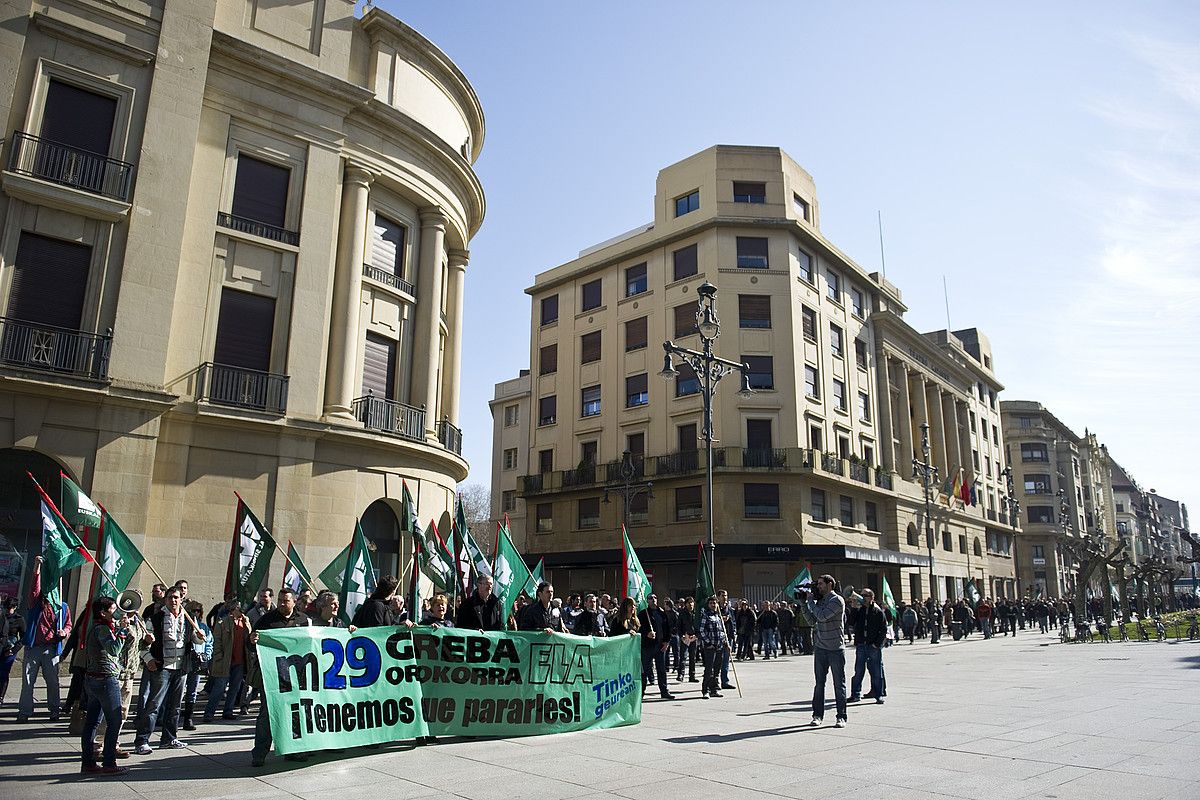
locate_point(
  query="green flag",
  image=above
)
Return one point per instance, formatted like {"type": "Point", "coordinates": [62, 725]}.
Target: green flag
{"type": "Point", "coordinates": [77, 508]}
{"type": "Point", "coordinates": [296, 575]}
{"type": "Point", "coordinates": [61, 549]}
{"type": "Point", "coordinates": [331, 576]}
{"type": "Point", "coordinates": [802, 582]}
{"type": "Point", "coordinates": [972, 593]}
{"type": "Point", "coordinates": [509, 571]}
{"type": "Point", "coordinates": [536, 577]}
{"type": "Point", "coordinates": [358, 579]}
{"type": "Point", "coordinates": [436, 563]}
{"type": "Point", "coordinates": [704, 582]}
{"type": "Point", "coordinates": [637, 585]}
{"type": "Point", "coordinates": [408, 512]}
{"type": "Point", "coordinates": [249, 555]}
{"type": "Point", "coordinates": [478, 560]}
{"type": "Point", "coordinates": [889, 601]}
{"type": "Point", "coordinates": [119, 557]}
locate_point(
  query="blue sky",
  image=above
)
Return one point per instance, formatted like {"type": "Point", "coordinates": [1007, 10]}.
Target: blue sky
{"type": "Point", "coordinates": [1045, 158]}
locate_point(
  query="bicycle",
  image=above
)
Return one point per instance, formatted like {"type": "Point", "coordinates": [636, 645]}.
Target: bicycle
{"type": "Point", "coordinates": [1064, 633]}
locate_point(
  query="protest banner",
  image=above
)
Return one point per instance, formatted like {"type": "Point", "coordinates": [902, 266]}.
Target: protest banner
{"type": "Point", "coordinates": [329, 688]}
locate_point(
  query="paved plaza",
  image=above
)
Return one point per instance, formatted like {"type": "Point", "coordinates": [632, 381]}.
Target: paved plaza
{"type": "Point", "coordinates": [997, 720]}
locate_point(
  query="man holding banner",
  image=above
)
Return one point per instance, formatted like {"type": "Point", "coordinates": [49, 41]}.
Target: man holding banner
{"type": "Point", "coordinates": [284, 615]}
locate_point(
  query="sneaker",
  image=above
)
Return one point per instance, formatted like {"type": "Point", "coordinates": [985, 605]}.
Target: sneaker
{"type": "Point", "coordinates": [840, 723]}
{"type": "Point", "coordinates": [816, 722]}
{"type": "Point", "coordinates": [90, 769]}
{"type": "Point", "coordinates": [717, 694]}
{"type": "Point", "coordinates": [854, 698]}
{"type": "Point", "coordinates": [878, 701]}
{"type": "Point", "coordinates": [114, 770]}
{"type": "Point", "coordinates": [143, 749]}
{"type": "Point", "coordinates": [174, 744]}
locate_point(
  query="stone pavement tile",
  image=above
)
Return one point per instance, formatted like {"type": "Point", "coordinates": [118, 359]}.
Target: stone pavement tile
{"type": "Point", "coordinates": [760, 776]}
{"type": "Point", "coordinates": [1096, 751]}
{"type": "Point", "coordinates": [881, 792]}
{"type": "Point", "coordinates": [1003, 787]}
{"type": "Point", "coordinates": [324, 777]}
{"type": "Point", "coordinates": [1169, 762]}
{"type": "Point", "coordinates": [73, 786]}
{"type": "Point", "coordinates": [1105, 783]}
{"type": "Point", "coordinates": [690, 787]}
{"type": "Point", "coordinates": [484, 787]}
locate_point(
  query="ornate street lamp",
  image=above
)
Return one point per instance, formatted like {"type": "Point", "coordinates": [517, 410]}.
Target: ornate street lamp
{"type": "Point", "coordinates": [928, 474]}
{"type": "Point", "coordinates": [627, 486]}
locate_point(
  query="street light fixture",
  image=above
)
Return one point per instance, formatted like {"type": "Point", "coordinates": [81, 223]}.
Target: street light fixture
{"type": "Point", "coordinates": [709, 369]}
{"type": "Point", "coordinates": [927, 473]}
{"type": "Point", "coordinates": [626, 486]}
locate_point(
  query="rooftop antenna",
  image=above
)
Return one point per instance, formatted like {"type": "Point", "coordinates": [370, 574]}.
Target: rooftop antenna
{"type": "Point", "coordinates": [946, 294]}
{"type": "Point", "coordinates": [882, 260]}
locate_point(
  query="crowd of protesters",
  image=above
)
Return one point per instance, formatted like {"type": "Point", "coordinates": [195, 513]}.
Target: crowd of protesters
{"type": "Point", "coordinates": [171, 645]}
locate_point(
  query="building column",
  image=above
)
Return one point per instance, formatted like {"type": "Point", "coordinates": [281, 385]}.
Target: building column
{"type": "Point", "coordinates": [428, 332]}
{"type": "Point", "coordinates": [452, 371]}
{"type": "Point", "coordinates": [936, 418]}
{"type": "Point", "coordinates": [962, 414]}
{"type": "Point", "coordinates": [885, 414]}
{"type": "Point", "coordinates": [949, 404]}
{"type": "Point", "coordinates": [904, 425]}
{"type": "Point", "coordinates": [343, 356]}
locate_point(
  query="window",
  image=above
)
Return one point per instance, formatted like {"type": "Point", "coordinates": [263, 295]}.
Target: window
{"type": "Point", "coordinates": [1121, 508]}
{"type": "Point", "coordinates": [846, 510]}
{"type": "Point", "coordinates": [545, 461]}
{"type": "Point", "coordinates": [512, 416]}
{"type": "Point", "coordinates": [687, 382]}
{"type": "Point", "coordinates": [754, 311]}
{"type": "Point", "coordinates": [685, 437]}
{"type": "Point", "coordinates": [947, 542]}
{"type": "Point", "coordinates": [1038, 551]}
{"type": "Point", "coordinates": [801, 206]}
{"type": "Point", "coordinates": [869, 455]}
{"type": "Point", "coordinates": [858, 303]}
{"type": "Point", "coordinates": [685, 320]}
{"type": "Point", "coordinates": [1037, 484]}
{"type": "Point", "coordinates": [688, 505]}
{"type": "Point", "coordinates": [761, 500]}
{"type": "Point", "coordinates": [549, 309]}
{"type": "Point", "coordinates": [962, 543]}
{"type": "Point", "coordinates": [589, 401]}
{"type": "Point", "coordinates": [814, 437]}
{"type": "Point", "coordinates": [752, 252]}
{"type": "Point", "coordinates": [80, 120]}
{"type": "Point", "coordinates": [860, 354]}
{"type": "Point", "coordinates": [912, 537]}
{"type": "Point", "coordinates": [685, 261]}
{"type": "Point", "coordinates": [812, 382]}
{"type": "Point", "coordinates": [510, 458]}
{"type": "Point", "coordinates": [244, 332]}
{"type": "Point", "coordinates": [843, 447]}
{"type": "Point", "coordinates": [635, 280]}
{"type": "Point", "coordinates": [744, 192]}
{"type": "Point", "coordinates": [589, 347]}
{"type": "Point", "coordinates": [589, 512]}
{"type": "Point", "coordinates": [545, 517]}
{"type": "Point", "coordinates": [1034, 452]}
{"type": "Point", "coordinates": [589, 453]}
{"type": "Point", "coordinates": [49, 285]}
{"type": "Point", "coordinates": [260, 191]}
{"type": "Point", "coordinates": [1025, 422]}
{"type": "Point", "coordinates": [635, 334]}
{"type": "Point", "coordinates": [508, 500]}
{"type": "Point", "coordinates": [817, 504]}
{"type": "Point", "coordinates": [1041, 514]}
{"type": "Point", "coordinates": [548, 360]}
{"type": "Point", "coordinates": [872, 518]}
{"type": "Point", "coordinates": [590, 295]}
{"type": "Point", "coordinates": [806, 267]}
{"type": "Point", "coordinates": [639, 509]}
{"type": "Point", "coordinates": [975, 460]}
{"type": "Point", "coordinates": [996, 436]}
{"type": "Point", "coordinates": [864, 406]}
{"type": "Point", "coordinates": [836, 345]}
{"type": "Point", "coordinates": [687, 204]}
{"type": "Point", "coordinates": [637, 392]}
{"type": "Point", "coordinates": [387, 246]}
{"type": "Point", "coordinates": [833, 286]}
{"type": "Point", "coordinates": [762, 371]}
{"type": "Point", "coordinates": [635, 443]}
{"type": "Point", "coordinates": [839, 394]}
{"type": "Point", "coordinates": [548, 410]}
{"type": "Point", "coordinates": [808, 319]}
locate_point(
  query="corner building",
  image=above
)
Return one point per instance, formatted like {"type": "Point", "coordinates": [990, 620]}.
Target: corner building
{"type": "Point", "coordinates": [798, 473]}
{"type": "Point", "coordinates": [233, 258]}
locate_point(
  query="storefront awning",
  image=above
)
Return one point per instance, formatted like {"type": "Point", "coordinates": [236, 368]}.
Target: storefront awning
{"type": "Point", "coordinates": [817, 553]}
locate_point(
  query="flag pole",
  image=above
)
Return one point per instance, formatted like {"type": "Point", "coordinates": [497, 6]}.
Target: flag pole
{"type": "Point", "coordinates": [288, 561]}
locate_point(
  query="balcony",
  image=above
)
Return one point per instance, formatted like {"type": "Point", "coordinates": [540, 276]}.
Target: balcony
{"type": "Point", "coordinates": [883, 479]}
{"type": "Point", "coordinates": [831, 463]}
{"type": "Point", "coordinates": [583, 475]}
{"type": "Point", "coordinates": [389, 279]}
{"type": "Point", "coordinates": [238, 387]}
{"type": "Point", "coordinates": [259, 229]}
{"type": "Point", "coordinates": [67, 166]}
{"type": "Point", "coordinates": [859, 471]}
{"type": "Point", "coordinates": [991, 514]}
{"type": "Point", "coordinates": [388, 416]}
{"type": "Point", "coordinates": [61, 351]}
{"type": "Point", "coordinates": [765, 458]}
{"type": "Point", "coordinates": [450, 436]}
{"type": "Point", "coordinates": [679, 463]}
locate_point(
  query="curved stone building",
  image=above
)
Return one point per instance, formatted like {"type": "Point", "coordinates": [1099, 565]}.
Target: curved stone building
{"type": "Point", "coordinates": [233, 253]}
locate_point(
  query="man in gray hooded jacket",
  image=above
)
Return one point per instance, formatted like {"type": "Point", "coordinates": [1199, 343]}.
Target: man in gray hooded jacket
{"type": "Point", "coordinates": [826, 611]}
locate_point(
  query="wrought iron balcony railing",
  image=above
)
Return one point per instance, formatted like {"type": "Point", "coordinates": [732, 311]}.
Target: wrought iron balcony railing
{"type": "Point", "coordinates": [389, 416]}
{"type": "Point", "coordinates": [450, 436]}
{"type": "Point", "coordinates": [260, 229]}
{"type": "Point", "coordinates": [46, 348]}
{"type": "Point", "coordinates": [239, 387]}
{"type": "Point", "coordinates": [70, 166]}
{"type": "Point", "coordinates": [388, 278]}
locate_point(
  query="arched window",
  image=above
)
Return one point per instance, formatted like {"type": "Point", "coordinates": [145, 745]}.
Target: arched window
{"type": "Point", "coordinates": [913, 537]}
{"type": "Point", "coordinates": [978, 549]}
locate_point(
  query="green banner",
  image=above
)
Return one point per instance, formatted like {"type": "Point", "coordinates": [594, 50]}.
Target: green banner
{"type": "Point", "coordinates": [328, 688]}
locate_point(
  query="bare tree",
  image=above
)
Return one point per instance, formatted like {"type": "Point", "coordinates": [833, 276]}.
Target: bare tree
{"type": "Point", "coordinates": [477, 505]}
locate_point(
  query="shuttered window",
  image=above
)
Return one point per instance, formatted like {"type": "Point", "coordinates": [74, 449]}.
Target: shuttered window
{"type": "Point", "coordinates": [244, 330]}
{"type": "Point", "coordinates": [387, 246]}
{"type": "Point", "coordinates": [591, 295]}
{"type": "Point", "coordinates": [49, 281]}
{"type": "Point", "coordinates": [754, 311]}
{"type": "Point", "coordinates": [379, 367]}
{"type": "Point", "coordinates": [752, 252]}
{"type": "Point", "coordinates": [548, 360]}
{"type": "Point", "coordinates": [78, 118]}
{"type": "Point", "coordinates": [589, 347]}
{"type": "Point", "coordinates": [685, 320]}
{"type": "Point", "coordinates": [635, 334]}
{"type": "Point", "coordinates": [260, 191]}
{"type": "Point", "coordinates": [686, 262]}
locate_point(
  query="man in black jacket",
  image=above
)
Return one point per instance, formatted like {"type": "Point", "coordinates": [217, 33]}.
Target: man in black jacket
{"type": "Point", "coordinates": [285, 615]}
{"type": "Point", "coordinates": [656, 639]}
{"type": "Point", "coordinates": [480, 611]}
{"type": "Point", "coordinates": [870, 632]}
{"type": "Point", "coordinates": [541, 615]}
{"type": "Point", "coordinates": [688, 640]}
{"type": "Point", "coordinates": [587, 621]}
{"type": "Point", "coordinates": [376, 610]}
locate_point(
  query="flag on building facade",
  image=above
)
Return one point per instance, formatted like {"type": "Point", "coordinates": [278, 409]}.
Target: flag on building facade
{"type": "Point", "coordinates": [77, 508]}
{"type": "Point", "coordinates": [974, 492]}
{"type": "Point", "coordinates": [704, 583]}
{"type": "Point", "coordinates": [955, 487]}
{"type": "Point", "coordinates": [358, 578]}
{"type": "Point", "coordinates": [509, 571]}
{"type": "Point", "coordinates": [296, 575]}
{"type": "Point", "coordinates": [889, 600]}
{"type": "Point", "coordinates": [249, 555]}
{"type": "Point", "coordinates": [802, 582]}
{"type": "Point", "coordinates": [61, 549]}
{"type": "Point", "coordinates": [634, 580]}
{"type": "Point", "coordinates": [964, 489]}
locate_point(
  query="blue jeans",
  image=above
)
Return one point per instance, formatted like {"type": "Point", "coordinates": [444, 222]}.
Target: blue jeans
{"type": "Point", "coordinates": [867, 658]}
{"type": "Point", "coordinates": [770, 637]}
{"type": "Point", "coordinates": [832, 661]}
{"type": "Point", "coordinates": [39, 659]}
{"type": "Point", "coordinates": [103, 696]}
{"type": "Point", "coordinates": [231, 685]}
{"type": "Point", "coordinates": [164, 693]}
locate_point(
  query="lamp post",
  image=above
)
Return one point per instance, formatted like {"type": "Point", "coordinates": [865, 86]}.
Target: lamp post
{"type": "Point", "coordinates": [710, 369]}
{"type": "Point", "coordinates": [1064, 513]}
{"type": "Point", "coordinates": [927, 473]}
{"type": "Point", "coordinates": [626, 486]}
{"type": "Point", "coordinates": [1012, 507]}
